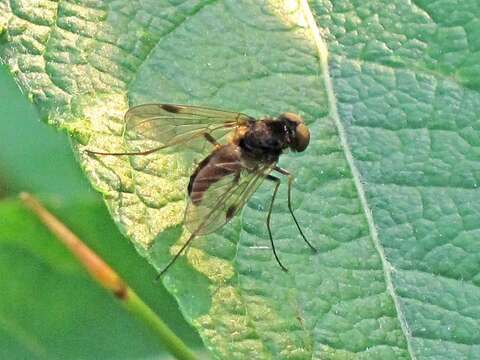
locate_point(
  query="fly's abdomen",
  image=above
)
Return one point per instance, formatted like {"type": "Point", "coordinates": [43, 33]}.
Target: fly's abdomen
{"type": "Point", "coordinates": [222, 162]}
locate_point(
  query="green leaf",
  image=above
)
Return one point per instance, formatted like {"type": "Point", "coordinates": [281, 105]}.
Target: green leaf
{"type": "Point", "coordinates": [386, 190]}
{"type": "Point", "coordinates": [27, 147]}
{"type": "Point", "coordinates": [407, 92]}
{"type": "Point", "coordinates": [26, 247]}
{"type": "Point", "coordinates": [51, 309]}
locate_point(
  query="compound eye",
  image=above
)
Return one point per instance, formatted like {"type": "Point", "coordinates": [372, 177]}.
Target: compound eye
{"type": "Point", "coordinates": [292, 117]}
{"type": "Point", "coordinates": [302, 138]}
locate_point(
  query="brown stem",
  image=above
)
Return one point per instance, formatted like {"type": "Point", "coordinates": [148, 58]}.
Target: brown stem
{"type": "Point", "coordinates": [92, 262]}
{"type": "Point", "coordinates": [109, 279]}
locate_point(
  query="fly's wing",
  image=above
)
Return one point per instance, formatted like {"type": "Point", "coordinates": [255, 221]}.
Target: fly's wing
{"type": "Point", "coordinates": [168, 125]}
{"type": "Point", "coordinates": [224, 199]}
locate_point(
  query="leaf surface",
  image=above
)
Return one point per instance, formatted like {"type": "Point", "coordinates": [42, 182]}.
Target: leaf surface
{"type": "Point", "coordinates": [407, 91]}
{"type": "Point", "coordinates": [50, 308]}
{"type": "Point", "coordinates": [386, 190]}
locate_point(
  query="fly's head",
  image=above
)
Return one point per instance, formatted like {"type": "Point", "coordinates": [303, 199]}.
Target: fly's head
{"type": "Point", "coordinates": [298, 135]}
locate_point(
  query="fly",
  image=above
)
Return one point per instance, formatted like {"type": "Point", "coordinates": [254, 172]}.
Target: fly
{"type": "Point", "coordinates": [245, 151]}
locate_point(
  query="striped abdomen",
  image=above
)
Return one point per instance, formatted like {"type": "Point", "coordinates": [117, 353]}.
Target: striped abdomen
{"type": "Point", "coordinates": [222, 162]}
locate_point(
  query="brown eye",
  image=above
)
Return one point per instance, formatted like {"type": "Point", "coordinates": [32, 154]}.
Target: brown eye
{"type": "Point", "coordinates": [292, 117]}
{"type": "Point", "coordinates": [298, 130]}
{"type": "Point", "coordinates": [302, 138]}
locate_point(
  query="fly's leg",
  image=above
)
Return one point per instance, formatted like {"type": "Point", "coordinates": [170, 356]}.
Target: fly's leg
{"type": "Point", "coordinates": [90, 152]}
{"type": "Point", "coordinates": [207, 136]}
{"type": "Point", "coordinates": [179, 252]}
{"type": "Point", "coordinates": [277, 184]}
{"type": "Point", "coordinates": [290, 182]}
{"type": "Point", "coordinates": [211, 140]}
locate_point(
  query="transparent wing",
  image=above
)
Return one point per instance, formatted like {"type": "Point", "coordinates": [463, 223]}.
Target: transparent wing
{"type": "Point", "coordinates": [168, 125]}
{"type": "Point", "coordinates": [224, 199]}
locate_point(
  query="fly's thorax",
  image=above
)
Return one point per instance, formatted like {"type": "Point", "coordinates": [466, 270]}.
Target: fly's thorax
{"type": "Point", "coordinates": [239, 133]}
{"type": "Point", "coordinates": [266, 136]}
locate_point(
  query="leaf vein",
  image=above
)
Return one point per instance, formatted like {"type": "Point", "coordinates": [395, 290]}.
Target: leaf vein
{"type": "Point", "coordinates": [387, 267]}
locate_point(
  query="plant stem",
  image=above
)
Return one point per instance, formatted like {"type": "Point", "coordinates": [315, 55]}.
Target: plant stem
{"type": "Point", "coordinates": [109, 279]}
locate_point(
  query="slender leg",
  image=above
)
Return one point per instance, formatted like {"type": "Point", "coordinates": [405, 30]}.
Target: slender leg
{"type": "Point", "coordinates": [207, 136]}
{"type": "Point", "coordinates": [179, 252]}
{"type": "Point", "coordinates": [124, 153]}
{"type": "Point", "coordinates": [277, 184]}
{"type": "Point", "coordinates": [211, 140]}
{"type": "Point", "coordinates": [290, 181]}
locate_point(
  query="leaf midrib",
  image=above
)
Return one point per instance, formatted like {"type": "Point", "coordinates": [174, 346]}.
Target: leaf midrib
{"type": "Point", "coordinates": [387, 267]}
